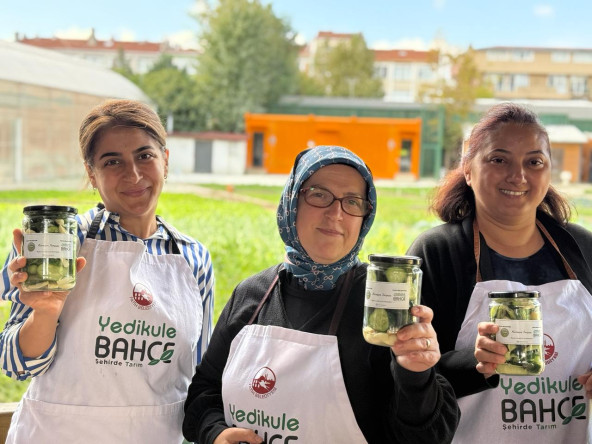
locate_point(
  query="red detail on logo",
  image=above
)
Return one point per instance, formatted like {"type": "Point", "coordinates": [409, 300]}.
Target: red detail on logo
{"type": "Point", "coordinates": [264, 381]}
{"type": "Point", "coordinates": [142, 297]}
{"type": "Point", "coordinates": [549, 345]}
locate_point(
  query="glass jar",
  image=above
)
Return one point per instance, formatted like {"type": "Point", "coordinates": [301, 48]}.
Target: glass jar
{"type": "Point", "coordinates": [393, 286]}
{"type": "Point", "coordinates": [520, 320]}
{"type": "Point", "coordinates": [49, 244]}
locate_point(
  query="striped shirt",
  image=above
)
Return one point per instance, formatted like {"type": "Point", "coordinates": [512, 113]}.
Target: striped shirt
{"type": "Point", "coordinates": [15, 365]}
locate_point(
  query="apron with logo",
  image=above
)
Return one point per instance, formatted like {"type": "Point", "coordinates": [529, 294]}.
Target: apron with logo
{"type": "Point", "coordinates": [548, 408]}
{"type": "Point", "coordinates": [287, 385]}
{"type": "Point", "coordinates": [126, 352]}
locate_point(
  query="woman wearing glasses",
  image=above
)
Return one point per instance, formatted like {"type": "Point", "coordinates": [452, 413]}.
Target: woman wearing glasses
{"type": "Point", "coordinates": [287, 362]}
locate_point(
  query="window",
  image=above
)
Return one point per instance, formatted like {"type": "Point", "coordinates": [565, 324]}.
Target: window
{"type": "Point", "coordinates": [582, 57]}
{"type": "Point", "coordinates": [508, 82]}
{"type": "Point", "coordinates": [521, 81]}
{"type": "Point", "coordinates": [402, 71]}
{"type": "Point", "coordinates": [522, 55]}
{"type": "Point", "coordinates": [579, 85]}
{"type": "Point", "coordinates": [380, 71]}
{"type": "Point", "coordinates": [497, 55]}
{"type": "Point", "coordinates": [560, 57]}
{"type": "Point", "coordinates": [425, 72]}
{"type": "Point", "coordinates": [558, 83]}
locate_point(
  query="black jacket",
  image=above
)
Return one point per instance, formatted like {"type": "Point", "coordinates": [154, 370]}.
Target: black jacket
{"type": "Point", "coordinates": [449, 268]}
{"type": "Point", "coordinates": [391, 404]}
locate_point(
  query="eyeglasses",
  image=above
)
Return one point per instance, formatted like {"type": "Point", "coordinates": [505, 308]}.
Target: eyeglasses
{"type": "Point", "coordinates": [322, 198]}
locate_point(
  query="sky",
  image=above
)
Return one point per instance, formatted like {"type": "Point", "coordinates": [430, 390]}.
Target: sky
{"type": "Point", "coordinates": [385, 24]}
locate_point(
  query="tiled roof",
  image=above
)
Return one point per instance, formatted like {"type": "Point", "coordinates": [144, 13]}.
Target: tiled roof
{"type": "Point", "coordinates": [530, 48]}
{"type": "Point", "coordinates": [336, 35]}
{"type": "Point", "coordinates": [101, 45]}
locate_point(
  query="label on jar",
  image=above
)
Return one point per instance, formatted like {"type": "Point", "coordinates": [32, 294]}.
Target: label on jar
{"type": "Point", "coordinates": [519, 332]}
{"type": "Point", "coordinates": [49, 245]}
{"type": "Point", "coordinates": [387, 295]}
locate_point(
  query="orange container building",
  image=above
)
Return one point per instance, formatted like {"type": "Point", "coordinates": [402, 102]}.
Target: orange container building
{"type": "Point", "coordinates": [389, 146]}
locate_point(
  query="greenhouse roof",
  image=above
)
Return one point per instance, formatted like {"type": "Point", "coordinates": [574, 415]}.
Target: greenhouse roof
{"type": "Point", "coordinates": [35, 66]}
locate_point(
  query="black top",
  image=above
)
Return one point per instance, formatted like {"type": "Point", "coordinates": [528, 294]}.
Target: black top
{"type": "Point", "coordinates": [449, 276]}
{"type": "Point", "coordinates": [391, 404]}
{"type": "Point", "coordinates": [542, 267]}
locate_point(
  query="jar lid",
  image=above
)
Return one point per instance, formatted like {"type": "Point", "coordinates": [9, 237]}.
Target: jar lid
{"type": "Point", "coordinates": [514, 294]}
{"type": "Point", "coordinates": [50, 209]}
{"type": "Point", "coordinates": [400, 260]}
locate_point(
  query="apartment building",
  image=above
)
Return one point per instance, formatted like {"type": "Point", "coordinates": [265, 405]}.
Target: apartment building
{"type": "Point", "coordinates": [537, 73]}
{"type": "Point", "coordinates": [401, 71]}
{"type": "Point", "coordinates": [140, 56]}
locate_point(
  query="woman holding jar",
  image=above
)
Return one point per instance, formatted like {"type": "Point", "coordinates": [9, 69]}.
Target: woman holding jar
{"type": "Point", "coordinates": [288, 361]}
{"type": "Point", "coordinates": [111, 360]}
{"type": "Point", "coordinates": [506, 230]}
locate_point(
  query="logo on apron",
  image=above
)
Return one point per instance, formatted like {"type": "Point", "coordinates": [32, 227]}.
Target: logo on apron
{"type": "Point", "coordinates": [263, 384]}
{"type": "Point", "coordinates": [141, 297]}
{"type": "Point", "coordinates": [550, 353]}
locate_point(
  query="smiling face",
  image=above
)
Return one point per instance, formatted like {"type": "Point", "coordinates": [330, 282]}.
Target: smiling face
{"type": "Point", "coordinates": [128, 169]}
{"type": "Point", "coordinates": [329, 234]}
{"type": "Point", "coordinates": [510, 175]}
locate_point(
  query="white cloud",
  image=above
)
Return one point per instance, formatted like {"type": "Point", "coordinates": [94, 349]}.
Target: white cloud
{"type": "Point", "coordinates": [299, 39]}
{"type": "Point", "coordinates": [186, 39]}
{"type": "Point", "coordinates": [125, 35]}
{"type": "Point", "coordinates": [199, 7]}
{"type": "Point", "coordinates": [544, 10]}
{"type": "Point", "coordinates": [74, 33]}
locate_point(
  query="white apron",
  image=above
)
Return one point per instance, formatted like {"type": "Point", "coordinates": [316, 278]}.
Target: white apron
{"type": "Point", "coordinates": [548, 408]}
{"type": "Point", "coordinates": [126, 353]}
{"type": "Point", "coordinates": [287, 385]}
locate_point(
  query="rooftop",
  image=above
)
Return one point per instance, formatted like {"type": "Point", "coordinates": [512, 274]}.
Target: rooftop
{"type": "Point", "coordinates": [35, 66]}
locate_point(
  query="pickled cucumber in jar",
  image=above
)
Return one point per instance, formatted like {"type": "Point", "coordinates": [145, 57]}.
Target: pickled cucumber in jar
{"type": "Point", "coordinates": [393, 286]}
{"type": "Point", "coordinates": [519, 311]}
{"type": "Point", "coordinates": [49, 244]}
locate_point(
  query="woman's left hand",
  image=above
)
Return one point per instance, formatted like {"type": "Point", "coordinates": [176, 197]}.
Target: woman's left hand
{"type": "Point", "coordinates": [417, 346]}
{"type": "Point", "coordinates": [586, 381]}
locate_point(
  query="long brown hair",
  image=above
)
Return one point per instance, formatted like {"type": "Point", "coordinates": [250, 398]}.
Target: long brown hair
{"type": "Point", "coordinates": [454, 200]}
{"type": "Point", "coordinates": [118, 112]}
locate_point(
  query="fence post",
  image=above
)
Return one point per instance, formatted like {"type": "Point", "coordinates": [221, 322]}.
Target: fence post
{"type": "Point", "coordinates": [6, 411]}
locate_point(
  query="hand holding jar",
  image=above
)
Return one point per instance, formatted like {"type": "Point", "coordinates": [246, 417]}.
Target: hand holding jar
{"type": "Point", "coordinates": [392, 316]}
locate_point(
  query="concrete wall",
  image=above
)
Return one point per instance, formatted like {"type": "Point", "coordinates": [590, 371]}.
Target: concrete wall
{"type": "Point", "coordinates": [228, 156]}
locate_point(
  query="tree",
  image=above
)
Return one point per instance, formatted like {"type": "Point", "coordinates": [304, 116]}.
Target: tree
{"type": "Point", "coordinates": [248, 63]}
{"type": "Point", "coordinates": [309, 86]}
{"type": "Point", "coordinates": [122, 66]}
{"type": "Point", "coordinates": [174, 93]}
{"type": "Point", "coordinates": [457, 98]}
{"type": "Point", "coordinates": [347, 70]}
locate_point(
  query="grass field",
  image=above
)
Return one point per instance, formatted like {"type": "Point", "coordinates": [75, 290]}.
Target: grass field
{"type": "Point", "coordinates": [242, 237]}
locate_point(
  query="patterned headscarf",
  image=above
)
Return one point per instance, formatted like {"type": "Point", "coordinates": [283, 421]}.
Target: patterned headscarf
{"type": "Point", "coordinates": [312, 275]}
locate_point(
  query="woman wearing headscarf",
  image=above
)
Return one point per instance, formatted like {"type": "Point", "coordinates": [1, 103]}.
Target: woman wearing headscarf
{"type": "Point", "coordinates": [288, 362]}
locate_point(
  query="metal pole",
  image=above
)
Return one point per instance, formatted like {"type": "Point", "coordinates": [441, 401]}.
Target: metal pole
{"type": "Point", "coordinates": [18, 150]}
